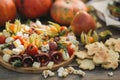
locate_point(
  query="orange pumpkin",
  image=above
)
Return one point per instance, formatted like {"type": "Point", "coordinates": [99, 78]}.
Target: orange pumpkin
{"type": "Point", "coordinates": [7, 11]}
{"type": "Point", "coordinates": [33, 8]}
{"type": "Point", "coordinates": [63, 11]}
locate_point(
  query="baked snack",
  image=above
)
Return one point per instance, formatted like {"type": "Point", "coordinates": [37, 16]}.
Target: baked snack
{"type": "Point", "coordinates": [34, 47]}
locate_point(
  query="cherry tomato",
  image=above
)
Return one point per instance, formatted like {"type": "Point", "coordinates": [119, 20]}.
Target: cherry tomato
{"type": "Point", "coordinates": [2, 39]}
{"type": "Point", "coordinates": [32, 50]}
{"type": "Point", "coordinates": [22, 40]}
{"type": "Point", "coordinates": [70, 50]}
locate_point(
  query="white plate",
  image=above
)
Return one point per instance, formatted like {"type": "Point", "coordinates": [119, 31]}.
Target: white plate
{"type": "Point", "coordinates": [104, 14]}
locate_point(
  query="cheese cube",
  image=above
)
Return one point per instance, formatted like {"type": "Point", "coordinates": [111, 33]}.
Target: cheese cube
{"type": "Point", "coordinates": [21, 47]}
{"type": "Point", "coordinates": [50, 64]}
{"type": "Point", "coordinates": [16, 51]}
{"type": "Point", "coordinates": [6, 57]}
{"type": "Point", "coordinates": [36, 65]}
{"type": "Point", "coordinates": [45, 48]}
{"type": "Point", "coordinates": [17, 43]}
{"type": "Point", "coordinates": [65, 55]}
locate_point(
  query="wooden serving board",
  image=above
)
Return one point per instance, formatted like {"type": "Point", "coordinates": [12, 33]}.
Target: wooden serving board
{"type": "Point", "coordinates": [34, 70]}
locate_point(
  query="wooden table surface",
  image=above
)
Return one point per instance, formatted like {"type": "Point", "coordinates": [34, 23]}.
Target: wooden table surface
{"type": "Point", "coordinates": [97, 74]}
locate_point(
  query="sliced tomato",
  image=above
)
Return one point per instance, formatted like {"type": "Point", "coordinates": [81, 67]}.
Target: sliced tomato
{"type": "Point", "coordinates": [2, 39]}
{"type": "Point", "coordinates": [70, 50]}
{"type": "Point", "coordinates": [32, 50]}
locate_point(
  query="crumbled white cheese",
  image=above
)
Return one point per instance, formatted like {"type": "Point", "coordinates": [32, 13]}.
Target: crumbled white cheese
{"type": "Point", "coordinates": [6, 57]}
{"type": "Point", "coordinates": [65, 55]}
{"type": "Point", "coordinates": [19, 34]}
{"type": "Point", "coordinates": [79, 72]}
{"type": "Point", "coordinates": [62, 72]}
{"type": "Point", "coordinates": [47, 73]}
{"type": "Point", "coordinates": [9, 39]}
{"type": "Point", "coordinates": [45, 48]}
{"type": "Point", "coordinates": [27, 28]}
{"type": "Point", "coordinates": [26, 35]}
{"type": "Point", "coordinates": [110, 74]}
{"type": "Point", "coordinates": [36, 65]}
{"type": "Point", "coordinates": [73, 39]}
{"type": "Point", "coordinates": [50, 64]}
{"type": "Point", "coordinates": [16, 51]}
{"type": "Point", "coordinates": [21, 47]}
{"type": "Point", "coordinates": [70, 70]}
{"type": "Point", "coordinates": [17, 43]}
{"type": "Point", "coordinates": [61, 69]}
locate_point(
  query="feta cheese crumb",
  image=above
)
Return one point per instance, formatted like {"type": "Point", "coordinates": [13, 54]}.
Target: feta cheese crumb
{"type": "Point", "coordinates": [27, 28]}
{"type": "Point", "coordinates": [16, 51]}
{"type": "Point", "coordinates": [21, 47]}
{"type": "Point", "coordinates": [65, 55]}
{"type": "Point", "coordinates": [36, 65]}
{"type": "Point", "coordinates": [47, 73]}
{"type": "Point", "coordinates": [79, 72]}
{"type": "Point", "coordinates": [110, 74]}
{"type": "Point", "coordinates": [45, 48]}
{"type": "Point", "coordinates": [62, 72]}
{"type": "Point", "coordinates": [6, 57]}
{"type": "Point", "coordinates": [50, 64]}
{"type": "Point", "coordinates": [17, 43]}
{"type": "Point", "coordinates": [19, 34]}
{"type": "Point", "coordinates": [70, 70]}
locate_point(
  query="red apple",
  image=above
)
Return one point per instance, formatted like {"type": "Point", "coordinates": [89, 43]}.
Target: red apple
{"type": "Point", "coordinates": [82, 22]}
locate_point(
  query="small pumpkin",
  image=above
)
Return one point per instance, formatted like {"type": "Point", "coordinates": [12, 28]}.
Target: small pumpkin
{"type": "Point", "coordinates": [63, 11]}
{"type": "Point", "coordinates": [7, 11]}
{"type": "Point", "coordinates": [33, 8]}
